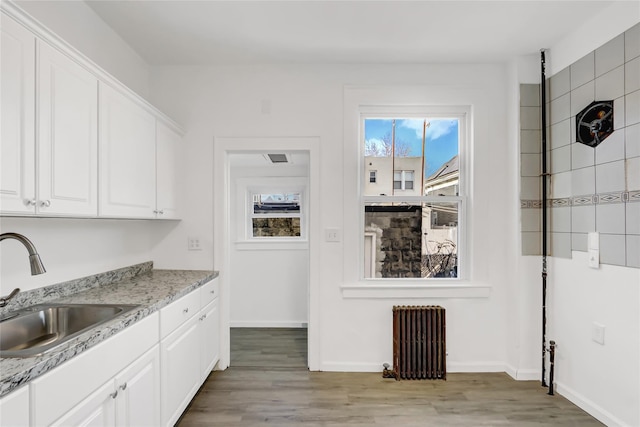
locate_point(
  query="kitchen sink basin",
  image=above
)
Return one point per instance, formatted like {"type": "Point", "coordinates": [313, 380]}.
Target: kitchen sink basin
{"type": "Point", "coordinates": [40, 328]}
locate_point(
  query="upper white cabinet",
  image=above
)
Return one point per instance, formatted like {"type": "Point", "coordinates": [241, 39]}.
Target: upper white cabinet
{"type": "Point", "coordinates": [67, 136]}
{"type": "Point", "coordinates": [167, 154]}
{"type": "Point", "coordinates": [127, 157]}
{"type": "Point", "coordinates": [75, 141]}
{"type": "Point", "coordinates": [17, 115]}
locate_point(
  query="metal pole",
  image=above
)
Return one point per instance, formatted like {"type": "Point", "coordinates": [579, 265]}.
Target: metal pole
{"type": "Point", "coordinates": [543, 132]}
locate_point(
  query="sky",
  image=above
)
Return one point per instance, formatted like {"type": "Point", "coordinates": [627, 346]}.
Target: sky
{"type": "Point", "coordinates": [441, 138]}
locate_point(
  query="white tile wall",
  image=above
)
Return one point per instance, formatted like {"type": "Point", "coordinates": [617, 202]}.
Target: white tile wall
{"type": "Point", "coordinates": [560, 219]}
{"type": "Point", "coordinates": [559, 83]}
{"type": "Point", "coordinates": [633, 251]}
{"type": "Point", "coordinates": [561, 159]}
{"type": "Point", "coordinates": [531, 243]}
{"type": "Point", "coordinates": [610, 177]}
{"type": "Point", "coordinates": [560, 134]}
{"type": "Point", "coordinates": [610, 86]}
{"type": "Point", "coordinates": [611, 149]}
{"type": "Point", "coordinates": [583, 181]}
{"type": "Point", "coordinates": [530, 141]}
{"type": "Point", "coordinates": [531, 219]}
{"type": "Point", "coordinates": [530, 165]}
{"type": "Point", "coordinates": [610, 55]}
{"type": "Point", "coordinates": [632, 43]}
{"type": "Point", "coordinates": [632, 75]}
{"type": "Point", "coordinates": [633, 218]}
{"type": "Point", "coordinates": [583, 219]}
{"type": "Point", "coordinates": [610, 218]}
{"type": "Point", "coordinates": [529, 95]}
{"type": "Point", "coordinates": [582, 71]}
{"type": "Point", "coordinates": [561, 245]}
{"type": "Point", "coordinates": [530, 188]}
{"type": "Point", "coordinates": [530, 118]}
{"type": "Point", "coordinates": [632, 108]}
{"type": "Point", "coordinates": [582, 155]}
{"type": "Point", "coordinates": [612, 249]}
{"type": "Point", "coordinates": [559, 109]}
{"type": "Point", "coordinates": [579, 242]}
{"type": "Point", "coordinates": [632, 140]}
{"type": "Point", "coordinates": [582, 96]}
{"type": "Point", "coordinates": [633, 174]}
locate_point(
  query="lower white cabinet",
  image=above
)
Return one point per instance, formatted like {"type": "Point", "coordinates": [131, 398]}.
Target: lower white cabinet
{"type": "Point", "coordinates": [132, 398]}
{"type": "Point", "coordinates": [189, 351]}
{"type": "Point", "coordinates": [14, 408]}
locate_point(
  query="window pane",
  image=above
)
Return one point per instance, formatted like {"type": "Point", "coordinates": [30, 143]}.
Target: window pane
{"type": "Point", "coordinates": [411, 240]}
{"type": "Point", "coordinates": [409, 144]}
{"type": "Point", "coordinates": [276, 203]}
{"type": "Point", "coordinates": [276, 227]}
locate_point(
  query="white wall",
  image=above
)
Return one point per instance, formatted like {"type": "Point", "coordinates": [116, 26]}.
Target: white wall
{"type": "Point", "coordinates": [78, 24]}
{"type": "Point", "coordinates": [268, 281]}
{"type": "Point", "coordinates": [602, 379]}
{"type": "Point", "coordinates": [308, 100]}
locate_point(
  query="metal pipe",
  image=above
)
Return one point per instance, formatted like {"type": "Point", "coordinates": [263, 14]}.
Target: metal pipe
{"type": "Point", "coordinates": [552, 357]}
{"type": "Point", "coordinates": [34, 259]}
{"type": "Point", "coordinates": [544, 174]}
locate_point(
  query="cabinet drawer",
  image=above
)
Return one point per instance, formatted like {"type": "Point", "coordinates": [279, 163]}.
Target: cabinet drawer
{"type": "Point", "coordinates": [178, 312]}
{"type": "Point", "coordinates": [209, 291]}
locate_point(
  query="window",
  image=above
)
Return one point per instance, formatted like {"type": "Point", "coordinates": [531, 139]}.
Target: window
{"type": "Point", "coordinates": [372, 176]}
{"type": "Point", "coordinates": [275, 215]}
{"type": "Point", "coordinates": [412, 221]}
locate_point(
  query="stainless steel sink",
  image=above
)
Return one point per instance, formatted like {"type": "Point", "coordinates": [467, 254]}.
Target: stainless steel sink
{"type": "Point", "coordinates": [40, 328]}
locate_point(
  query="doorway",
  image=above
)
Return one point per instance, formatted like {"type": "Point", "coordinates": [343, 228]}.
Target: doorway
{"type": "Point", "coordinates": [268, 294]}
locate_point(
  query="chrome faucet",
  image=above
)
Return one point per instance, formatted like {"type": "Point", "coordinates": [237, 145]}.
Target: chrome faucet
{"type": "Point", "coordinates": [34, 261]}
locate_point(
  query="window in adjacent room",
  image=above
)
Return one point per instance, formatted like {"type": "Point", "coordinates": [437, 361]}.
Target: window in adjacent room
{"type": "Point", "coordinates": [276, 215]}
{"type": "Point", "coordinates": [413, 215]}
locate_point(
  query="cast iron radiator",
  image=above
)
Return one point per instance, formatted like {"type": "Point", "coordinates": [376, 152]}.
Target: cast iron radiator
{"type": "Point", "coordinates": [419, 350]}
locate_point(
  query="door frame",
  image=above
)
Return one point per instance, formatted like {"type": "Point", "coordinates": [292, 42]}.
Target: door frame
{"type": "Point", "coordinates": [222, 147]}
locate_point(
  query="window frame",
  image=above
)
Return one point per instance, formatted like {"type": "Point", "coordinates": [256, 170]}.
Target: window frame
{"type": "Point", "coordinates": [462, 114]}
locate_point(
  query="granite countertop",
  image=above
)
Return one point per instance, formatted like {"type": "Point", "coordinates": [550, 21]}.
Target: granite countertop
{"type": "Point", "coordinates": [148, 288]}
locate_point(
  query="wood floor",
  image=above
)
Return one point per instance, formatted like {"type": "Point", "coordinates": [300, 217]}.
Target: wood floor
{"type": "Point", "coordinates": [268, 385]}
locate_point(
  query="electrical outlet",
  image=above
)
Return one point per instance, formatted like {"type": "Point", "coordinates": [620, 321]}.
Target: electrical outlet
{"type": "Point", "coordinates": [193, 244]}
{"type": "Point", "coordinates": [597, 333]}
{"type": "Point", "coordinates": [332, 235]}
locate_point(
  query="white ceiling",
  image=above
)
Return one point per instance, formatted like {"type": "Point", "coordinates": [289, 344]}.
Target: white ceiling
{"type": "Point", "coordinates": [172, 32]}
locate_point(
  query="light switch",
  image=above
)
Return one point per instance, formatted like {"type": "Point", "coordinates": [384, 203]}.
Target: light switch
{"type": "Point", "coordinates": [593, 249]}
{"type": "Point", "coordinates": [597, 333]}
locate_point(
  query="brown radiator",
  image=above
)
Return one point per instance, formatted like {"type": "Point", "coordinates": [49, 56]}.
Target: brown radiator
{"type": "Point", "coordinates": [419, 350]}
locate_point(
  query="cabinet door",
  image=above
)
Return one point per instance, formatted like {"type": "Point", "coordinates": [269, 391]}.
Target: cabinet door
{"type": "Point", "coordinates": [96, 410]}
{"type": "Point", "coordinates": [127, 157]}
{"type": "Point", "coordinates": [167, 156]}
{"type": "Point", "coordinates": [180, 369]}
{"type": "Point", "coordinates": [17, 112]}
{"type": "Point", "coordinates": [67, 136]}
{"type": "Point", "coordinates": [14, 408]}
{"type": "Point", "coordinates": [138, 386]}
{"type": "Point", "coordinates": [209, 338]}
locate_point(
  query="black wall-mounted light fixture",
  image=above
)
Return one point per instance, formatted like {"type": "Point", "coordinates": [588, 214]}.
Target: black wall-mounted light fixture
{"type": "Point", "coordinates": [594, 123]}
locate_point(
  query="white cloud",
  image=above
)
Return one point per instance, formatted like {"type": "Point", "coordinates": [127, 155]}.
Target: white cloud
{"type": "Point", "coordinates": [437, 127]}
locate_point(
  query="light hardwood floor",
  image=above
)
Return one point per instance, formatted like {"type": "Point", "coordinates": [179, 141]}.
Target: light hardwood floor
{"type": "Point", "coordinates": [268, 385]}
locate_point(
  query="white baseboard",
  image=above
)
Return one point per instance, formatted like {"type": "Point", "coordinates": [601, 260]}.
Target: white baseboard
{"type": "Point", "coordinates": [588, 406]}
{"type": "Point", "coordinates": [350, 367]}
{"type": "Point", "coordinates": [284, 324]}
{"type": "Point", "coordinates": [523, 374]}
{"type": "Point", "coordinates": [454, 367]}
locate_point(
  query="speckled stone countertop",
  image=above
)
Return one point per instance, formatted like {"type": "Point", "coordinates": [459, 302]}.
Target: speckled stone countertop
{"type": "Point", "coordinates": [140, 285]}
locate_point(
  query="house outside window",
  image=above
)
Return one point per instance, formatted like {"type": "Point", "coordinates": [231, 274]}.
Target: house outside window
{"type": "Point", "coordinates": [275, 215]}
{"type": "Point", "coordinates": [413, 216]}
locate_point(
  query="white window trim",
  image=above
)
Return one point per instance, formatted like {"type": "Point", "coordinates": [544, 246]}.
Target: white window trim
{"type": "Point", "coordinates": [250, 215]}
{"type": "Point", "coordinates": [431, 101]}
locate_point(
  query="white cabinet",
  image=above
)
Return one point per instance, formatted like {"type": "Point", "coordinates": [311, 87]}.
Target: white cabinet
{"type": "Point", "coordinates": [127, 157]}
{"type": "Point", "coordinates": [91, 386]}
{"type": "Point", "coordinates": [132, 399]}
{"type": "Point", "coordinates": [138, 388]}
{"type": "Point", "coordinates": [167, 176]}
{"type": "Point", "coordinates": [180, 363]}
{"type": "Point", "coordinates": [209, 338]}
{"type": "Point", "coordinates": [14, 408]}
{"type": "Point", "coordinates": [189, 349]}
{"type": "Point", "coordinates": [67, 136]}
{"type": "Point", "coordinates": [17, 115]}
{"type": "Point", "coordinates": [65, 165]}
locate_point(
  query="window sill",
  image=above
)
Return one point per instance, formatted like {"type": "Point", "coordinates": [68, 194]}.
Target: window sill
{"type": "Point", "coordinates": [272, 244]}
{"type": "Point", "coordinates": [400, 291]}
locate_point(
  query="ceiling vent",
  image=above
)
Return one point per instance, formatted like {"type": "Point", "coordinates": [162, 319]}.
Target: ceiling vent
{"type": "Point", "coordinates": [278, 158]}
